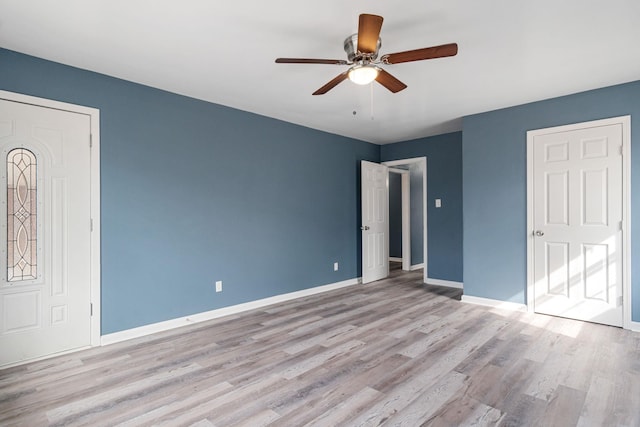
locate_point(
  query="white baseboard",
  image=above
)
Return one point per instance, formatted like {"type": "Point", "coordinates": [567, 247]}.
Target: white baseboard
{"type": "Point", "coordinates": [395, 259]}
{"type": "Point", "coordinates": [505, 305]}
{"type": "Point", "coordinates": [440, 282]}
{"type": "Point", "coordinates": [220, 312]}
{"type": "Point", "coordinates": [417, 266]}
{"type": "Point", "coordinates": [634, 326]}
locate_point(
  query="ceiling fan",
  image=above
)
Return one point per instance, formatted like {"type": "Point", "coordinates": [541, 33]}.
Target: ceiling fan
{"type": "Point", "coordinates": [362, 53]}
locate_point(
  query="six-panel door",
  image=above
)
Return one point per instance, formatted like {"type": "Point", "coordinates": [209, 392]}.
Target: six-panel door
{"type": "Point", "coordinates": [577, 224]}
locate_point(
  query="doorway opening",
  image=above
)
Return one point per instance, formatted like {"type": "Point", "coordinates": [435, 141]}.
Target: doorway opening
{"type": "Point", "coordinates": [399, 219]}
{"type": "Point", "coordinates": [408, 233]}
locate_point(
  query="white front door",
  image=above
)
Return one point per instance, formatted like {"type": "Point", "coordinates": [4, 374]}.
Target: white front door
{"type": "Point", "coordinates": [577, 229]}
{"type": "Point", "coordinates": [45, 240]}
{"type": "Point", "coordinates": [375, 222]}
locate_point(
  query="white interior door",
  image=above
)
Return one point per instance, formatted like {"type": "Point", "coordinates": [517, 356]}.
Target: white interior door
{"type": "Point", "coordinates": [577, 179]}
{"type": "Point", "coordinates": [45, 240]}
{"type": "Point", "coordinates": [375, 221]}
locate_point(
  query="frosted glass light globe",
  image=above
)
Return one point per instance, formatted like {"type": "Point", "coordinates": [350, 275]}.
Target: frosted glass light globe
{"type": "Point", "coordinates": [363, 74]}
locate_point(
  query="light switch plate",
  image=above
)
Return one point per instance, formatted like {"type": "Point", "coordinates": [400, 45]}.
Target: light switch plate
{"type": "Point", "coordinates": [438, 203]}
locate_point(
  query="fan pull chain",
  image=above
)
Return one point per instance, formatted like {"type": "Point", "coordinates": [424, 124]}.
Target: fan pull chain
{"type": "Point", "coordinates": [371, 92]}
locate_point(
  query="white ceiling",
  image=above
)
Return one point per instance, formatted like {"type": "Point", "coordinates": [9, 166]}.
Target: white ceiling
{"type": "Point", "coordinates": [510, 52]}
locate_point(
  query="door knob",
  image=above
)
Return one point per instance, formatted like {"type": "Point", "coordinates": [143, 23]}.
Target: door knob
{"type": "Point", "coordinates": [539, 233]}
{"type": "Point", "coordinates": [366, 227]}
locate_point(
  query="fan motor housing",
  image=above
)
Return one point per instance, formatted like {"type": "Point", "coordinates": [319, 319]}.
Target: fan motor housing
{"type": "Point", "coordinates": [351, 47]}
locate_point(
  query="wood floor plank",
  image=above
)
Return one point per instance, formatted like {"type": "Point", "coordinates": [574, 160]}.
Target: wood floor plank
{"type": "Point", "coordinates": [260, 419]}
{"type": "Point", "coordinates": [350, 406]}
{"type": "Point", "coordinates": [418, 375]}
{"type": "Point", "coordinates": [318, 339]}
{"type": "Point", "coordinates": [565, 407]}
{"type": "Point", "coordinates": [208, 408]}
{"type": "Point", "coordinates": [499, 387]}
{"type": "Point", "coordinates": [524, 410]}
{"type": "Point", "coordinates": [102, 400]}
{"type": "Point", "coordinates": [427, 402]}
{"type": "Point", "coordinates": [309, 393]}
{"type": "Point", "coordinates": [465, 410]}
{"type": "Point", "coordinates": [392, 352]}
{"type": "Point", "coordinates": [176, 403]}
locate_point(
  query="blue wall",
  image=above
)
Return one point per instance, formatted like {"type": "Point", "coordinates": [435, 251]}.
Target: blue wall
{"type": "Point", "coordinates": [194, 192]}
{"type": "Point", "coordinates": [444, 181]}
{"type": "Point", "coordinates": [494, 186]}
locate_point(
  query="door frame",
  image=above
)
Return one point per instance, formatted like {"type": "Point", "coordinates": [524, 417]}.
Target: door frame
{"type": "Point", "coordinates": [405, 190]}
{"type": "Point", "coordinates": [94, 116]}
{"type": "Point", "coordinates": [422, 161]}
{"type": "Point", "coordinates": [625, 122]}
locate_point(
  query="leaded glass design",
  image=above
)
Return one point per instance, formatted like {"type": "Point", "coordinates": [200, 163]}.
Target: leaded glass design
{"type": "Point", "coordinates": [21, 215]}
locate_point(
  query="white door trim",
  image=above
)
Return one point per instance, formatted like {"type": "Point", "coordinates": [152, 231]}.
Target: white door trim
{"type": "Point", "coordinates": [625, 121]}
{"type": "Point", "coordinates": [406, 216]}
{"type": "Point", "coordinates": [423, 162]}
{"type": "Point", "coordinates": [405, 183]}
{"type": "Point", "coordinates": [94, 115]}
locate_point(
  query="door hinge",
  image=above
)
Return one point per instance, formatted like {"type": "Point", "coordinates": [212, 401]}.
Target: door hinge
{"type": "Point", "coordinates": [620, 300]}
{"type": "Point", "coordinates": [90, 309]}
{"type": "Point", "coordinates": [90, 140]}
{"type": "Point", "coordinates": [620, 225]}
{"type": "Point", "coordinates": [91, 224]}
{"type": "Point", "coordinates": [620, 150]}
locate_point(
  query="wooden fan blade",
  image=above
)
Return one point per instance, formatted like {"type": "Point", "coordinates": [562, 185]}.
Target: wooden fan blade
{"type": "Point", "coordinates": [442, 51]}
{"type": "Point", "coordinates": [390, 82]}
{"type": "Point", "coordinates": [333, 83]}
{"type": "Point", "coordinates": [310, 61]}
{"type": "Point", "coordinates": [368, 32]}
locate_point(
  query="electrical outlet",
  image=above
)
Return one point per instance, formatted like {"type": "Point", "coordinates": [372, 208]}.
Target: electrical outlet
{"type": "Point", "coordinates": [219, 286]}
{"type": "Point", "coordinates": [335, 266]}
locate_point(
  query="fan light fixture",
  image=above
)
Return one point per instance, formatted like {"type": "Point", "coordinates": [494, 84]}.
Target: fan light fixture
{"type": "Point", "coordinates": [363, 74]}
{"type": "Point", "coordinates": [362, 57]}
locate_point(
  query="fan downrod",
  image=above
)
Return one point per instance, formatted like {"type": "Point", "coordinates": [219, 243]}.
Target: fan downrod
{"type": "Point", "coordinates": [351, 48]}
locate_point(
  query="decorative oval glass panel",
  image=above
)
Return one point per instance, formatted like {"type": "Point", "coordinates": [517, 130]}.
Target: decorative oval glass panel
{"type": "Point", "coordinates": [21, 215]}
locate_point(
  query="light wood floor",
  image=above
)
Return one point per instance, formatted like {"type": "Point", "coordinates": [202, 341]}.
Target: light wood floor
{"type": "Point", "coordinates": [391, 352]}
